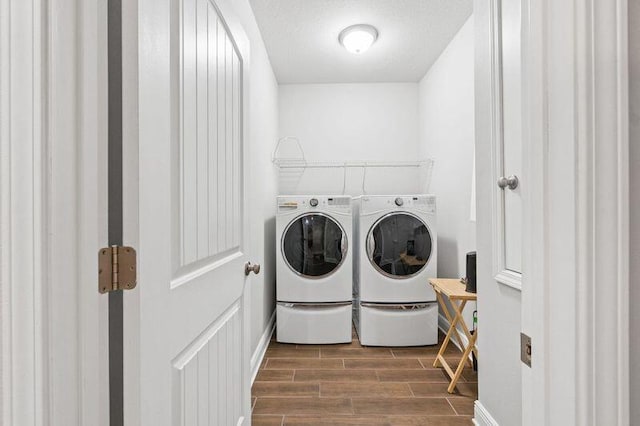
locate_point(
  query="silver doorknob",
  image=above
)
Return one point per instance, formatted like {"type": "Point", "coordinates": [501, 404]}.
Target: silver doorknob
{"type": "Point", "coordinates": [510, 182]}
{"type": "Point", "coordinates": [249, 268]}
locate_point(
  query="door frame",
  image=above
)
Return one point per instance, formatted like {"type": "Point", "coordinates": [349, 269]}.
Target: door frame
{"type": "Point", "coordinates": [575, 117]}
{"type": "Point", "coordinates": [53, 204]}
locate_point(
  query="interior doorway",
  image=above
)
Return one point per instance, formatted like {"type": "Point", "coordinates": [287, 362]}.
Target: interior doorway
{"type": "Point", "coordinates": [397, 131]}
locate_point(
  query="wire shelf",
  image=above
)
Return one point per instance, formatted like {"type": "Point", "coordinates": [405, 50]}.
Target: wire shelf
{"type": "Point", "coordinates": [289, 157]}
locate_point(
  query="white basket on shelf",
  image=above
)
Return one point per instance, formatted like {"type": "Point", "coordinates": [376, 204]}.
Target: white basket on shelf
{"type": "Point", "coordinates": [426, 171]}
{"type": "Point", "coordinates": [288, 156]}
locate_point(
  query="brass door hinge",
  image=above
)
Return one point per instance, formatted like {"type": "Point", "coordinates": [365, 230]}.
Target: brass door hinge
{"type": "Point", "coordinates": [525, 349]}
{"type": "Point", "coordinates": [116, 269]}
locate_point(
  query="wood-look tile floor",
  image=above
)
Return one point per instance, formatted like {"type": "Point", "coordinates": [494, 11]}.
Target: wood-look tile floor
{"type": "Point", "coordinates": [348, 384]}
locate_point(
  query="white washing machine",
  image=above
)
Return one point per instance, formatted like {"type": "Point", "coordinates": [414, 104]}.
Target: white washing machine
{"type": "Point", "coordinates": [314, 269]}
{"type": "Point", "coordinates": [396, 254]}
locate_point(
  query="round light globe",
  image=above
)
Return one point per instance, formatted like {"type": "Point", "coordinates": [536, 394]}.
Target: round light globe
{"type": "Point", "coordinates": [358, 38]}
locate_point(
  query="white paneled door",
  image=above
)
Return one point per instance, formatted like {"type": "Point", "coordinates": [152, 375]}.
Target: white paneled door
{"type": "Point", "coordinates": [192, 365]}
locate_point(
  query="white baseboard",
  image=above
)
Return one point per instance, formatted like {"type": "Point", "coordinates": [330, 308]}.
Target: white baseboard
{"type": "Point", "coordinates": [482, 416]}
{"type": "Point", "coordinates": [263, 344]}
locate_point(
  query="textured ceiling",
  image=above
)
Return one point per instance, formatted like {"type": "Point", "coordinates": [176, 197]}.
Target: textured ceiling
{"type": "Point", "coordinates": [302, 37]}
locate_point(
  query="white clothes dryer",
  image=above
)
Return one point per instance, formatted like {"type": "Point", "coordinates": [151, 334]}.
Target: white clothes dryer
{"type": "Point", "coordinates": [396, 254]}
{"type": "Point", "coordinates": [314, 269]}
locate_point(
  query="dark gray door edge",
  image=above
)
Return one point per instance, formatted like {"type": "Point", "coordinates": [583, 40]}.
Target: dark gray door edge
{"type": "Point", "coordinates": [114, 41]}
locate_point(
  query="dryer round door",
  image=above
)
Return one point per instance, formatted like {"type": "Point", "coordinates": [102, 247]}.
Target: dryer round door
{"type": "Point", "coordinates": [314, 245]}
{"type": "Point", "coordinates": [399, 245]}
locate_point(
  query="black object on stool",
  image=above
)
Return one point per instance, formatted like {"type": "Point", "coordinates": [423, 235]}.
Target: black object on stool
{"type": "Point", "coordinates": [471, 272]}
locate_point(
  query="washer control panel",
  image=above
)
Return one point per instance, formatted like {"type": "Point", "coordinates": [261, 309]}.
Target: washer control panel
{"type": "Point", "coordinates": [334, 203]}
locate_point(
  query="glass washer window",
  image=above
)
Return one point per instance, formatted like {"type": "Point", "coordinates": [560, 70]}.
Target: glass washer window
{"type": "Point", "coordinates": [314, 245]}
{"type": "Point", "coordinates": [399, 245]}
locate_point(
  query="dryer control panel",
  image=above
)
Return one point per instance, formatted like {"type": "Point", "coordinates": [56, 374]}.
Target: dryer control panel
{"type": "Point", "coordinates": [422, 202]}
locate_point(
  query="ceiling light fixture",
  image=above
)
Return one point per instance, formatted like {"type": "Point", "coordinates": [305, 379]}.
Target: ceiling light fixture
{"type": "Point", "coordinates": [358, 38]}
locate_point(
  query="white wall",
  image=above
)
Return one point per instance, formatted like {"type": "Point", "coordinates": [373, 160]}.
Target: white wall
{"type": "Point", "coordinates": [446, 105]}
{"type": "Point", "coordinates": [353, 122]}
{"type": "Point", "coordinates": [447, 135]}
{"type": "Point", "coordinates": [263, 110]}
{"type": "Point", "coordinates": [634, 167]}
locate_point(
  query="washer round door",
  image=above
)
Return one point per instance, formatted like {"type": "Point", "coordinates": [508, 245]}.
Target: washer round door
{"type": "Point", "coordinates": [314, 245]}
{"type": "Point", "coordinates": [399, 245]}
